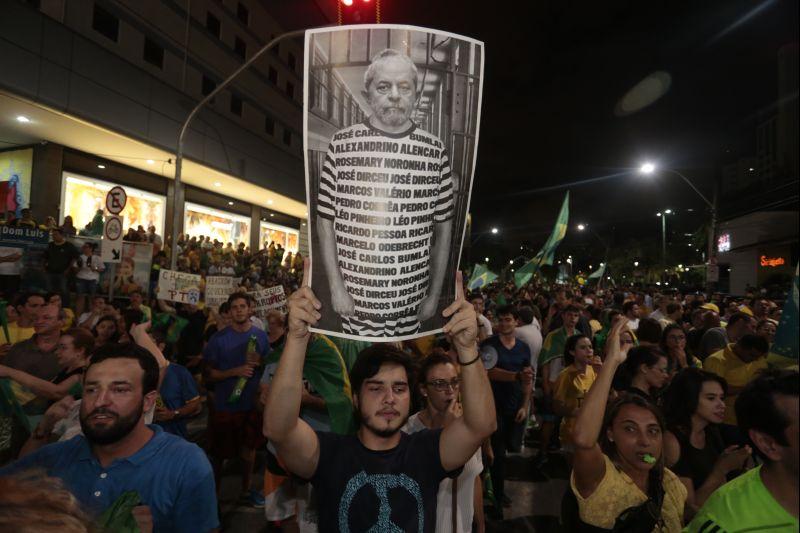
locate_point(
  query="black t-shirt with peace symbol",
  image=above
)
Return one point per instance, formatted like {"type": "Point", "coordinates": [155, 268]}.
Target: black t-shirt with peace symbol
{"type": "Point", "coordinates": [358, 489]}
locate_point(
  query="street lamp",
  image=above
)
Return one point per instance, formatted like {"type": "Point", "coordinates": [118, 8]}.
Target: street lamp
{"type": "Point", "coordinates": [494, 231]}
{"type": "Point", "coordinates": [649, 168]}
{"type": "Point", "coordinates": [581, 227]}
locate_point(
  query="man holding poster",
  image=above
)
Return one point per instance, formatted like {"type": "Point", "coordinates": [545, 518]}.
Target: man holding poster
{"type": "Point", "coordinates": [385, 210]}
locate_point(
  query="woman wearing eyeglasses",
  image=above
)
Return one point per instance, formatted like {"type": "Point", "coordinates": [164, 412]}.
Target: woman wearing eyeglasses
{"type": "Point", "coordinates": [460, 501]}
{"type": "Point", "coordinates": [673, 344]}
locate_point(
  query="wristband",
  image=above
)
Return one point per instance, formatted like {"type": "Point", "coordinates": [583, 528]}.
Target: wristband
{"type": "Point", "coordinates": [470, 362]}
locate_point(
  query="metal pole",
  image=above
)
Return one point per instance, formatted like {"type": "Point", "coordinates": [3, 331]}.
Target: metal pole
{"type": "Point", "coordinates": [712, 234]}
{"type": "Point", "coordinates": [663, 239]}
{"type": "Point", "coordinates": [177, 198]}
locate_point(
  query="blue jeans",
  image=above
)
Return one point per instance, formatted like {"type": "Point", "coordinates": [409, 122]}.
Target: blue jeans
{"type": "Point", "coordinates": [58, 283]}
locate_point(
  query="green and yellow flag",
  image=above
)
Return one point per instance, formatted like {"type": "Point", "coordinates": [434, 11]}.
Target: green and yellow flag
{"type": "Point", "coordinates": [548, 252]}
{"type": "Point", "coordinates": [481, 277]}
{"type": "Point", "coordinates": [784, 351]}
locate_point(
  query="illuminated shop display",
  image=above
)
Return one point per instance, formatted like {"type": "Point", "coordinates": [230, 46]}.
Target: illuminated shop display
{"type": "Point", "coordinates": [221, 225]}
{"type": "Point", "coordinates": [287, 237]}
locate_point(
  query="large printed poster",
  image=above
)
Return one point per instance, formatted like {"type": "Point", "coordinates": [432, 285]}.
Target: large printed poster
{"type": "Point", "coordinates": [391, 123]}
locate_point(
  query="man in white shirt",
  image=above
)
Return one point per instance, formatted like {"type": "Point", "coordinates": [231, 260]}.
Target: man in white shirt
{"type": "Point", "coordinates": [661, 312]}
{"type": "Point", "coordinates": [529, 331]}
{"type": "Point", "coordinates": [631, 311]}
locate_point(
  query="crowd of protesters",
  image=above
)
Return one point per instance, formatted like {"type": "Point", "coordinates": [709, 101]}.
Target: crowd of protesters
{"type": "Point", "coordinates": [661, 402]}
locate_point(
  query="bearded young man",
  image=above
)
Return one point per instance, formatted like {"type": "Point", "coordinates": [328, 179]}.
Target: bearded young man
{"type": "Point", "coordinates": [379, 479]}
{"type": "Point", "coordinates": [118, 452]}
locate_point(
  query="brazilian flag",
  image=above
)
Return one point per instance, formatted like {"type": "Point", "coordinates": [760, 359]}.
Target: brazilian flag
{"type": "Point", "coordinates": [599, 273]}
{"type": "Point", "coordinates": [784, 351]}
{"type": "Point", "coordinates": [481, 277]}
{"type": "Point", "coordinates": [326, 371]}
{"type": "Point", "coordinates": [547, 254]}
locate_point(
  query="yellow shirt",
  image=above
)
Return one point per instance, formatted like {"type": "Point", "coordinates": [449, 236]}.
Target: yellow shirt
{"type": "Point", "coordinates": [69, 319]}
{"type": "Point", "coordinates": [16, 333]}
{"type": "Point", "coordinates": [617, 492]}
{"type": "Point", "coordinates": [736, 372]}
{"type": "Point", "coordinates": [570, 389]}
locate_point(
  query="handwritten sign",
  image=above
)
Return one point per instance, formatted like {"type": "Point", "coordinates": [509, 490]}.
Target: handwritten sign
{"type": "Point", "coordinates": [269, 299]}
{"type": "Point", "coordinates": [179, 287]}
{"type": "Point", "coordinates": [218, 288]}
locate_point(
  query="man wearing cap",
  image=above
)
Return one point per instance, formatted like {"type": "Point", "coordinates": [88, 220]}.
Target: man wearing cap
{"type": "Point", "coordinates": [716, 339]}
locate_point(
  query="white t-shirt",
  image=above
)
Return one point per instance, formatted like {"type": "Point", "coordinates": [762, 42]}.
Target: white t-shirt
{"type": "Point", "coordinates": [466, 489]}
{"type": "Point", "coordinates": [531, 335]}
{"type": "Point", "coordinates": [486, 325]}
{"type": "Point", "coordinates": [90, 268]}
{"type": "Point", "coordinates": [10, 268]}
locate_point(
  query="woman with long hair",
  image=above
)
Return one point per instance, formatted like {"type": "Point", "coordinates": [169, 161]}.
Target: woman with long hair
{"type": "Point", "coordinates": [438, 383]}
{"type": "Point", "coordinates": [573, 383]}
{"type": "Point", "coordinates": [106, 331]}
{"type": "Point", "coordinates": [694, 405]}
{"type": "Point", "coordinates": [644, 372]}
{"type": "Point", "coordinates": [673, 344]}
{"type": "Point", "coordinates": [618, 475]}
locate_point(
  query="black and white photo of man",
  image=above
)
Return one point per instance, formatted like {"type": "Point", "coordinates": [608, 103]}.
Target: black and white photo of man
{"type": "Point", "coordinates": [385, 210]}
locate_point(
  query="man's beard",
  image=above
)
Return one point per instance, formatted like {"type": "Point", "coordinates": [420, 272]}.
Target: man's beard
{"type": "Point", "coordinates": [120, 428]}
{"type": "Point", "coordinates": [381, 432]}
{"type": "Point", "coordinates": [393, 116]}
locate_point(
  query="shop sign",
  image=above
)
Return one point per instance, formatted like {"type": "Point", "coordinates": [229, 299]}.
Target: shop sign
{"type": "Point", "coordinates": [772, 261]}
{"type": "Point", "coordinates": [24, 237]}
{"type": "Point", "coordinates": [724, 242]}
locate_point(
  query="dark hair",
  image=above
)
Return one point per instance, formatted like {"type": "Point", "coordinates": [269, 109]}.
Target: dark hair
{"type": "Point", "coordinates": [570, 345]}
{"type": "Point", "coordinates": [738, 317]}
{"type": "Point", "coordinates": [627, 306]}
{"type": "Point", "coordinates": [129, 350]}
{"type": "Point", "coordinates": [506, 310]}
{"type": "Point", "coordinates": [108, 318]}
{"type": "Point", "coordinates": [673, 307]}
{"type": "Point", "coordinates": [430, 362]}
{"type": "Point", "coordinates": [612, 411]}
{"type": "Point", "coordinates": [50, 295]}
{"type": "Point", "coordinates": [23, 298]}
{"type": "Point", "coordinates": [755, 405]}
{"type": "Point", "coordinates": [751, 341]}
{"type": "Point", "coordinates": [81, 339]}
{"type": "Point", "coordinates": [664, 334]}
{"type": "Point", "coordinates": [238, 296]}
{"type": "Point", "coordinates": [649, 330]}
{"type": "Point", "coordinates": [224, 307]}
{"type": "Point", "coordinates": [135, 291]}
{"type": "Point", "coordinates": [525, 314]}
{"type": "Point", "coordinates": [681, 398]}
{"type": "Point", "coordinates": [369, 362]}
{"type": "Point", "coordinates": [474, 296]}
{"type": "Point", "coordinates": [132, 316]}
{"type": "Point", "coordinates": [637, 356]}
{"type": "Point", "coordinates": [571, 308]}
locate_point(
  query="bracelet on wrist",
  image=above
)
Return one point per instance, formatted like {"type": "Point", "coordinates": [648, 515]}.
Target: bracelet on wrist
{"type": "Point", "coordinates": [469, 362]}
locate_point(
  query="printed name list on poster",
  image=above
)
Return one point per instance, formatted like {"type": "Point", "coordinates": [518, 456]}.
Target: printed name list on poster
{"type": "Point", "coordinates": [179, 287]}
{"type": "Point", "coordinates": [388, 199]}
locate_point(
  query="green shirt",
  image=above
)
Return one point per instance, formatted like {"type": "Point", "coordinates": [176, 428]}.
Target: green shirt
{"type": "Point", "coordinates": [553, 345]}
{"type": "Point", "coordinates": [743, 504]}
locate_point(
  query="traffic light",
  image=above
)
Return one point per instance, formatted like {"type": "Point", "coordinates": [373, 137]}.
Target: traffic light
{"type": "Point", "coordinates": [358, 11]}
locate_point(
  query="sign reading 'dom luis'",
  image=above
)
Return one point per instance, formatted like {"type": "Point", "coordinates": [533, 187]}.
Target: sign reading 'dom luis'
{"type": "Point", "coordinates": [389, 191]}
{"type": "Point", "coordinates": [24, 237]}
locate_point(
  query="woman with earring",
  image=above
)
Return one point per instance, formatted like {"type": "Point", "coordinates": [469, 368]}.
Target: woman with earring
{"type": "Point", "coordinates": [460, 500]}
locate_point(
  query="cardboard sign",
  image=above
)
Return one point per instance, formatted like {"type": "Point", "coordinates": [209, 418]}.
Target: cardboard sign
{"type": "Point", "coordinates": [180, 287]}
{"type": "Point", "coordinates": [111, 247]}
{"type": "Point", "coordinates": [218, 288]}
{"type": "Point", "coordinates": [269, 299]}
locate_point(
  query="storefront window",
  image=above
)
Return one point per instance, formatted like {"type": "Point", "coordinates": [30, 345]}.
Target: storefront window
{"type": "Point", "coordinates": [286, 237]}
{"type": "Point", "coordinates": [220, 225]}
{"type": "Point", "coordinates": [82, 197]}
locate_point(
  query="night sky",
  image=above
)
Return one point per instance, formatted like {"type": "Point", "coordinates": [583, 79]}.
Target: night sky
{"type": "Point", "coordinates": [554, 73]}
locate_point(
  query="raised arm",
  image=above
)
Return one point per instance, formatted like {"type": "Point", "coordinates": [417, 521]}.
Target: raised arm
{"type": "Point", "coordinates": [294, 440]}
{"type": "Point", "coordinates": [343, 303]}
{"type": "Point", "coordinates": [464, 435]}
{"type": "Point", "coordinates": [40, 387]}
{"type": "Point", "coordinates": [588, 465]}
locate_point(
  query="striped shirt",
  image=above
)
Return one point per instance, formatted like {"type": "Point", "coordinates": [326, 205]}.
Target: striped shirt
{"type": "Point", "coordinates": [384, 193]}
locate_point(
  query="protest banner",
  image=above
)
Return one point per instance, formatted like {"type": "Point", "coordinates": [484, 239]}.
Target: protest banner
{"type": "Point", "coordinates": [389, 180]}
{"type": "Point", "coordinates": [23, 237]}
{"type": "Point", "coordinates": [179, 287]}
{"type": "Point", "coordinates": [218, 288]}
{"type": "Point", "coordinates": [269, 299]}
